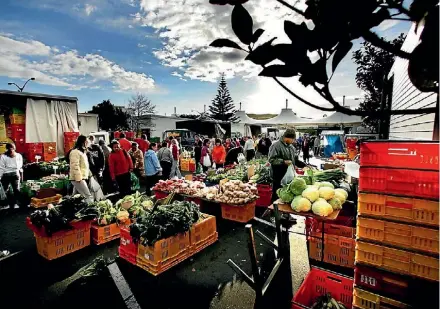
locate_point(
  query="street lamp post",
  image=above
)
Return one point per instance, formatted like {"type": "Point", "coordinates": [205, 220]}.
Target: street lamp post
{"type": "Point", "coordinates": [20, 89]}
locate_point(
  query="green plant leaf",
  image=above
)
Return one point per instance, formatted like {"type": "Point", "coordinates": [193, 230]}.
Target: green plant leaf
{"type": "Point", "coordinates": [225, 43]}
{"type": "Point", "coordinates": [341, 51]}
{"type": "Point", "coordinates": [257, 35]}
{"type": "Point", "coordinates": [242, 24]}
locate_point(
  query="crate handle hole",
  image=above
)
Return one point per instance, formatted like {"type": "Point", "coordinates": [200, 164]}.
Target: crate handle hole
{"type": "Point", "coordinates": [334, 279]}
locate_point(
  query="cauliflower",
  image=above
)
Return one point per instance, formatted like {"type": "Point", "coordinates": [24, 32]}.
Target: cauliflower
{"type": "Point", "coordinates": [147, 204]}
{"type": "Point", "coordinates": [341, 195]}
{"type": "Point", "coordinates": [122, 216]}
{"type": "Point", "coordinates": [317, 184]}
{"type": "Point", "coordinates": [326, 184]}
{"type": "Point", "coordinates": [322, 208]}
{"type": "Point", "coordinates": [297, 186]}
{"type": "Point", "coordinates": [300, 203]}
{"type": "Point", "coordinates": [326, 193]}
{"type": "Point", "coordinates": [335, 203]}
{"type": "Point", "coordinates": [285, 195]}
{"type": "Point", "coordinates": [311, 193]}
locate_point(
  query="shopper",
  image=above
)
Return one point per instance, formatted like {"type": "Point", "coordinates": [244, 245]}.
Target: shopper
{"type": "Point", "coordinates": [197, 149]}
{"type": "Point", "coordinates": [306, 149]}
{"type": "Point", "coordinates": [124, 143]}
{"type": "Point", "coordinates": [166, 159]}
{"type": "Point", "coordinates": [107, 184]}
{"type": "Point", "coordinates": [11, 172]}
{"type": "Point", "coordinates": [232, 155]}
{"type": "Point", "coordinates": [120, 167]}
{"type": "Point", "coordinates": [316, 144]}
{"type": "Point", "coordinates": [205, 159]}
{"type": "Point", "coordinates": [152, 168]}
{"type": "Point", "coordinates": [79, 168]}
{"type": "Point", "coordinates": [249, 149]}
{"type": "Point", "coordinates": [175, 151]}
{"type": "Point", "coordinates": [143, 143]}
{"type": "Point", "coordinates": [281, 155]}
{"type": "Point", "coordinates": [138, 160]}
{"type": "Point", "coordinates": [218, 154]}
{"type": "Point", "coordinates": [95, 155]}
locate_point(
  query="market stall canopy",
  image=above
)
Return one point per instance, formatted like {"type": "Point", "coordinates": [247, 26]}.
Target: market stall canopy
{"type": "Point", "coordinates": [338, 118]}
{"type": "Point", "coordinates": [244, 118]}
{"type": "Point", "coordinates": [287, 116]}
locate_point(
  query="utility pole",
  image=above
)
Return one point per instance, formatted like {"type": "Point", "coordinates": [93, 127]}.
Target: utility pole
{"type": "Point", "coordinates": [240, 106]}
{"type": "Point", "coordinates": [287, 103]}
{"type": "Point", "coordinates": [343, 100]}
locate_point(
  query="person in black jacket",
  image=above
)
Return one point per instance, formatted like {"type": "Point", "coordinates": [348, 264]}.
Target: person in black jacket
{"type": "Point", "coordinates": [96, 158]}
{"type": "Point", "coordinates": [232, 155]}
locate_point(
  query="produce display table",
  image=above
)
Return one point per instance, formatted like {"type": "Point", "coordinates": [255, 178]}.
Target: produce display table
{"type": "Point", "coordinates": [31, 187]}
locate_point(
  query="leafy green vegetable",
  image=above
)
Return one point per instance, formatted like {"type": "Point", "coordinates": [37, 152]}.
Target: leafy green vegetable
{"type": "Point", "coordinates": [297, 186]}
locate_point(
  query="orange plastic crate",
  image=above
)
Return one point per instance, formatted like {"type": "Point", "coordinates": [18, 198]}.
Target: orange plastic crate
{"type": "Point", "coordinates": [338, 250]}
{"type": "Point", "coordinates": [203, 244]}
{"type": "Point", "coordinates": [399, 208]}
{"type": "Point", "coordinates": [164, 249]}
{"type": "Point", "coordinates": [103, 234]}
{"type": "Point", "coordinates": [423, 184]}
{"type": "Point", "coordinates": [43, 202]}
{"type": "Point", "coordinates": [367, 300]}
{"type": "Point", "coordinates": [238, 213]}
{"type": "Point", "coordinates": [402, 235]}
{"type": "Point", "coordinates": [319, 282]}
{"type": "Point", "coordinates": [416, 155]}
{"type": "Point", "coordinates": [63, 243]}
{"type": "Point", "coordinates": [162, 266]}
{"type": "Point", "coordinates": [202, 230]}
{"type": "Point", "coordinates": [50, 148]}
{"type": "Point", "coordinates": [400, 261]}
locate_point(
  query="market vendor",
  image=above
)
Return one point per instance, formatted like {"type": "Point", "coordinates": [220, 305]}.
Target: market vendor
{"type": "Point", "coordinates": [11, 172]}
{"type": "Point", "coordinates": [281, 155]}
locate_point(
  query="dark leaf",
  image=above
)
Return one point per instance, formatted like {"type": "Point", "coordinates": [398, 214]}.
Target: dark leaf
{"type": "Point", "coordinates": [341, 51]}
{"type": "Point", "coordinates": [278, 70]}
{"type": "Point", "coordinates": [242, 24]}
{"type": "Point", "coordinates": [263, 54]}
{"type": "Point", "coordinates": [225, 43]}
{"type": "Point", "coordinates": [257, 35]}
{"type": "Point", "coordinates": [296, 33]}
{"type": "Point", "coordinates": [419, 8]}
{"type": "Point", "coordinates": [319, 71]}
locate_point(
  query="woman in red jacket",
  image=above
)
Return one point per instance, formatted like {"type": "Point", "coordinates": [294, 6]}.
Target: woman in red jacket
{"type": "Point", "coordinates": [120, 167]}
{"type": "Point", "coordinates": [218, 154]}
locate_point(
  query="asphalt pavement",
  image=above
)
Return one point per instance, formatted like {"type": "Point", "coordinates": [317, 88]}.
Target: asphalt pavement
{"type": "Point", "coordinates": [203, 281]}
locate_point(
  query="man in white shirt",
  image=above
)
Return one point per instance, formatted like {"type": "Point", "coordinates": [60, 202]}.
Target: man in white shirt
{"type": "Point", "coordinates": [11, 172]}
{"type": "Point", "coordinates": [249, 149]}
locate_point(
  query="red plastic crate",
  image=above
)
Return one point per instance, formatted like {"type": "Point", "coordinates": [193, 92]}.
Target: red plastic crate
{"type": "Point", "coordinates": [116, 134]}
{"type": "Point", "coordinates": [127, 243]}
{"type": "Point", "coordinates": [50, 148]}
{"type": "Point", "coordinates": [20, 147]}
{"type": "Point", "coordinates": [36, 147]}
{"type": "Point", "coordinates": [126, 255]}
{"type": "Point", "coordinates": [17, 131]}
{"type": "Point", "coordinates": [160, 194]}
{"type": "Point", "coordinates": [265, 196]}
{"type": "Point", "coordinates": [341, 226]}
{"type": "Point", "coordinates": [319, 282]}
{"type": "Point", "coordinates": [424, 184]}
{"type": "Point", "coordinates": [416, 155]}
{"type": "Point", "coordinates": [129, 135]}
{"type": "Point", "coordinates": [70, 136]}
{"type": "Point", "coordinates": [390, 284]}
{"type": "Point", "coordinates": [47, 157]}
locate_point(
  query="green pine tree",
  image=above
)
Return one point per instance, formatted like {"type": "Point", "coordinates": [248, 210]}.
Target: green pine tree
{"type": "Point", "coordinates": [222, 106]}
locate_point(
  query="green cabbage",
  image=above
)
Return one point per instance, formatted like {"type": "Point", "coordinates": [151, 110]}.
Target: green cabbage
{"type": "Point", "coordinates": [297, 186]}
{"type": "Point", "coordinates": [300, 203]}
{"type": "Point", "coordinates": [322, 208]}
{"type": "Point", "coordinates": [326, 184]}
{"type": "Point", "coordinates": [285, 195]}
{"type": "Point", "coordinates": [326, 193]}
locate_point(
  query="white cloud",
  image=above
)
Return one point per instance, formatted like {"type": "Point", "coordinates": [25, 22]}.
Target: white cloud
{"type": "Point", "coordinates": [24, 59]}
{"type": "Point", "coordinates": [89, 9]}
{"type": "Point", "coordinates": [187, 27]}
{"type": "Point", "coordinates": [387, 24]}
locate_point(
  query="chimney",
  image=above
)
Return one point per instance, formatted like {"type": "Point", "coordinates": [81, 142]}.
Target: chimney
{"type": "Point", "coordinates": [240, 106]}
{"type": "Point", "coordinates": [287, 103]}
{"type": "Point", "coordinates": [175, 110]}
{"type": "Point", "coordinates": [204, 108]}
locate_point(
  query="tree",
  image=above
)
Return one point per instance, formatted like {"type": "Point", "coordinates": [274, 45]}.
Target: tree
{"type": "Point", "coordinates": [140, 109]}
{"type": "Point", "coordinates": [374, 64]}
{"type": "Point", "coordinates": [111, 117]}
{"type": "Point", "coordinates": [337, 23]}
{"type": "Point", "coordinates": [189, 116]}
{"type": "Point", "coordinates": [222, 106]}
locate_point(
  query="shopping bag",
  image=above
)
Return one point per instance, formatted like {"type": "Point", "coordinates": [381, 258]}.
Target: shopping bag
{"type": "Point", "coordinates": [135, 186]}
{"type": "Point", "coordinates": [206, 161]}
{"type": "Point", "coordinates": [199, 169]}
{"type": "Point", "coordinates": [241, 158]}
{"type": "Point", "coordinates": [214, 166]}
{"type": "Point", "coordinates": [288, 177]}
{"type": "Point", "coordinates": [95, 189]}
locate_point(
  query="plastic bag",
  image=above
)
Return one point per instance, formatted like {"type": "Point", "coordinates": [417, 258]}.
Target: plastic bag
{"type": "Point", "coordinates": [2, 193]}
{"type": "Point", "coordinates": [134, 182]}
{"type": "Point", "coordinates": [206, 161]}
{"type": "Point", "coordinates": [214, 166]}
{"type": "Point", "coordinates": [95, 189]}
{"type": "Point", "coordinates": [199, 169]}
{"type": "Point", "coordinates": [241, 158]}
{"type": "Point", "coordinates": [288, 177]}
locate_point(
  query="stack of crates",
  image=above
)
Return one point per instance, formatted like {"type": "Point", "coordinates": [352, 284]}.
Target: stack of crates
{"type": "Point", "coordinates": [397, 236]}
{"type": "Point", "coordinates": [69, 140]}
{"type": "Point", "coordinates": [33, 150]}
{"type": "Point", "coordinates": [3, 133]}
{"type": "Point", "coordinates": [17, 132]}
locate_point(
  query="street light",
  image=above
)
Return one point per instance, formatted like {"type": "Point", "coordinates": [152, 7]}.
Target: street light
{"type": "Point", "coordinates": [20, 89]}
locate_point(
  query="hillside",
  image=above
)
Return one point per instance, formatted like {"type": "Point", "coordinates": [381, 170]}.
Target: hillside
{"type": "Point", "coordinates": [261, 116]}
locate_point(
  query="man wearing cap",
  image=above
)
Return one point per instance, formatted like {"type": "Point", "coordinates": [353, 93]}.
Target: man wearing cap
{"type": "Point", "coordinates": [281, 155]}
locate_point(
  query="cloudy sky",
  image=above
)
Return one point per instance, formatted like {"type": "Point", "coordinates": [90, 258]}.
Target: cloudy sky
{"type": "Point", "coordinates": [111, 49]}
